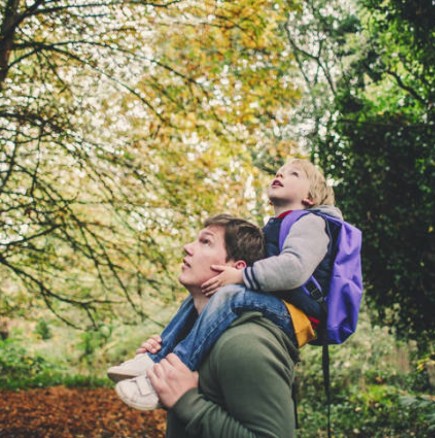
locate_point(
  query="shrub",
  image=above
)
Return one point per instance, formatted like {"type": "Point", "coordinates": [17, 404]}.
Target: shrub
{"type": "Point", "coordinates": [20, 369]}
{"type": "Point", "coordinates": [42, 329]}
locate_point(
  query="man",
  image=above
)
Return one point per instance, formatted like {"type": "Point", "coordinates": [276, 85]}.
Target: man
{"type": "Point", "coordinates": [243, 387]}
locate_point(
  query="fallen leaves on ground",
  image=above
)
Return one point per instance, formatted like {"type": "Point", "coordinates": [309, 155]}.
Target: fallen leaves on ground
{"type": "Point", "coordinates": [61, 412]}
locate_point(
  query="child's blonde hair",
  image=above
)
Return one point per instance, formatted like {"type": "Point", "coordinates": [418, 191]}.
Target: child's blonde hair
{"type": "Point", "coordinates": [320, 192]}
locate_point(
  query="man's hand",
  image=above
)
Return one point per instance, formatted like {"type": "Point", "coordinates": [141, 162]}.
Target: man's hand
{"type": "Point", "coordinates": [171, 379]}
{"type": "Point", "coordinates": [228, 275]}
{"type": "Point", "coordinates": [151, 345]}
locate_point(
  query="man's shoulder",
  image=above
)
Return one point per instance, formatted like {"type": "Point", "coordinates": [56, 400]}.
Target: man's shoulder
{"type": "Point", "coordinates": [250, 324]}
{"type": "Point", "coordinates": [252, 335]}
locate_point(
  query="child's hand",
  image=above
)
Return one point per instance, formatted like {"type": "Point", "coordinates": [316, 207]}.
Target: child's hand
{"type": "Point", "coordinates": [151, 345]}
{"type": "Point", "coordinates": [228, 275]}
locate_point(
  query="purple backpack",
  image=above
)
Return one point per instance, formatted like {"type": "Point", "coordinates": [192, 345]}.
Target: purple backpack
{"type": "Point", "coordinates": [342, 299]}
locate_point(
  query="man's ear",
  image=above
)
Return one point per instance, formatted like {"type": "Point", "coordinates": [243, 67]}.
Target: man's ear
{"type": "Point", "coordinates": [240, 264]}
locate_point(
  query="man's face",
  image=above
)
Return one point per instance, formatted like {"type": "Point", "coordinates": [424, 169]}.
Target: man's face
{"type": "Point", "coordinates": [290, 185]}
{"type": "Point", "coordinates": [208, 249]}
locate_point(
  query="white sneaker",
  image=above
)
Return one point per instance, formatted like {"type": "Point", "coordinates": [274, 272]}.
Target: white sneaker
{"type": "Point", "coordinates": [138, 393]}
{"type": "Point", "coordinates": [131, 368]}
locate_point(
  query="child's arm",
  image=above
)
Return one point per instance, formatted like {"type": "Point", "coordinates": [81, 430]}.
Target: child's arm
{"type": "Point", "coordinates": [151, 345]}
{"type": "Point", "coordinates": [228, 275]}
{"type": "Point", "coordinates": [303, 250]}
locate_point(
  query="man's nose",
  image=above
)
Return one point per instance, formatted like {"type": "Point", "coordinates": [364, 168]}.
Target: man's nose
{"type": "Point", "coordinates": [188, 248]}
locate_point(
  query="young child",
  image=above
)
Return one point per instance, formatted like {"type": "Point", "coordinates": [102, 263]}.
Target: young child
{"type": "Point", "coordinates": [297, 185]}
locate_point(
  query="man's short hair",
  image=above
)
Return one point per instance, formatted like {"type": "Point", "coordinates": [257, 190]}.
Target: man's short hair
{"type": "Point", "coordinates": [243, 240]}
{"type": "Point", "coordinates": [320, 192]}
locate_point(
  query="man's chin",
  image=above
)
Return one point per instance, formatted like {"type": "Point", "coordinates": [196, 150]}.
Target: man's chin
{"type": "Point", "coordinates": [180, 280]}
{"type": "Point", "coordinates": [184, 281]}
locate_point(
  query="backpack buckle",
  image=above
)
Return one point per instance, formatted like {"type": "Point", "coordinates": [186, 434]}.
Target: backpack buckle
{"type": "Point", "coordinates": [315, 292]}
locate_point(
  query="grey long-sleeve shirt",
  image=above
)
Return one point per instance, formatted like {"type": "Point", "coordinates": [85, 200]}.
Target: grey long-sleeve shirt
{"type": "Point", "coordinates": [304, 248]}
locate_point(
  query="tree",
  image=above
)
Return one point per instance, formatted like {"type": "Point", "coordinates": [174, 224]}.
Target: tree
{"type": "Point", "coordinates": [124, 123]}
{"type": "Point", "coordinates": [376, 143]}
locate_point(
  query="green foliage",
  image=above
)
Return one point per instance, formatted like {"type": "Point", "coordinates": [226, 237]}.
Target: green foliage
{"type": "Point", "coordinates": [16, 363]}
{"type": "Point", "coordinates": [43, 330]}
{"type": "Point", "coordinates": [377, 412]}
{"type": "Point", "coordinates": [92, 341]}
{"type": "Point", "coordinates": [21, 369]}
{"type": "Point", "coordinates": [372, 378]}
{"type": "Point", "coordinates": [390, 198]}
{"type": "Point", "coordinates": [69, 357]}
{"type": "Point", "coordinates": [375, 141]}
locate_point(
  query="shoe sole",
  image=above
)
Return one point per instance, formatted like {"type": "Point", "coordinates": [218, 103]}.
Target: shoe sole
{"type": "Point", "coordinates": [117, 375]}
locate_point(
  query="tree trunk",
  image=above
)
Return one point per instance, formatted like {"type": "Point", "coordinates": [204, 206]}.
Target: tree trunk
{"type": "Point", "coordinates": [7, 33]}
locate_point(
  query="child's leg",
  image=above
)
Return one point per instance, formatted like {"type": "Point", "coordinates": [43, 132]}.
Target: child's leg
{"type": "Point", "coordinates": [137, 391]}
{"type": "Point", "coordinates": [222, 309]}
{"type": "Point", "coordinates": [176, 330]}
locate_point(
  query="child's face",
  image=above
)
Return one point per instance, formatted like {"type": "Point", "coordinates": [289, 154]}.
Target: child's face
{"type": "Point", "coordinates": [290, 187]}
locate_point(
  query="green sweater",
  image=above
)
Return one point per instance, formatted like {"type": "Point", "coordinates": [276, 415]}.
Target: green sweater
{"type": "Point", "coordinates": [244, 386]}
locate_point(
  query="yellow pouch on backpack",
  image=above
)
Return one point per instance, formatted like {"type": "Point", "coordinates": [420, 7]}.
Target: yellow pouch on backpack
{"type": "Point", "coordinates": [301, 324]}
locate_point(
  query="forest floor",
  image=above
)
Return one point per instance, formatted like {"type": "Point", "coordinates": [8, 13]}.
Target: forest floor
{"type": "Point", "coordinates": [60, 412]}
